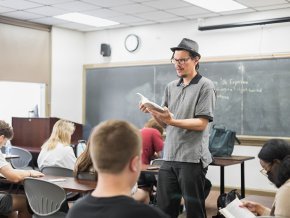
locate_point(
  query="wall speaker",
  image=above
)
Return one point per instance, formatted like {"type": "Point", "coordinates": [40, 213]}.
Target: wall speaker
{"type": "Point", "coordinates": [105, 50]}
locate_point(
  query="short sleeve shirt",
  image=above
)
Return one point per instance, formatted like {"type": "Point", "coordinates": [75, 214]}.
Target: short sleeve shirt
{"type": "Point", "coordinates": [112, 207]}
{"type": "Point", "coordinates": [60, 156]}
{"type": "Point", "coordinates": [152, 142]}
{"type": "Point", "coordinates": [185, 102]}
{"type": "Point", "coordinates": [3, 161]}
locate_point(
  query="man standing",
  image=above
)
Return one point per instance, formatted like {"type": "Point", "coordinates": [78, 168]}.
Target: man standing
{"type": "Point", "coordinates": [115, 149]}
{"type": "Point", "coordinates": [188, 108]}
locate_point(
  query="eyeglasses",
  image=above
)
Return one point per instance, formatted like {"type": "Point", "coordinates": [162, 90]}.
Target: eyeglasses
{"type": "Point", "coordinates": [265, 172]}
{"type": "Point", "coordinates": [180, 61]}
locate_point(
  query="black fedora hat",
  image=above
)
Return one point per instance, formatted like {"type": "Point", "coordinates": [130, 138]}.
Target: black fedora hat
{"type": "Point", "coordinates": [187, 45]}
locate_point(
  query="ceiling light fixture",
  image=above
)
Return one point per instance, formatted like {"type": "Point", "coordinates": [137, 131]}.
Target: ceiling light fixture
{"type": "Point", "coordinates": [217, 6]}
{"type": "Point", "coordinates": [86, 19]}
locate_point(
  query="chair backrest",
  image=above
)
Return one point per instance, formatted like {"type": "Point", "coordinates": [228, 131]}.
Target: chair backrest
{"type": "Point", "coordinates": [44, 198]}
{"type": "Point", "coordinates": [87, 176]}
{"type": "Point", "coordinates": [24, 157]}
{"type": "Point", "coordinates": [57, 171]}
{"type": "Point", "coordinates": [60, 171]}
{"type": "Point", "coordinates": [157, 162]}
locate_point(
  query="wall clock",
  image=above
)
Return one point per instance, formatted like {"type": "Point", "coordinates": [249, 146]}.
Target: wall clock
{"type": "Point", "coordinates": [132, 42]}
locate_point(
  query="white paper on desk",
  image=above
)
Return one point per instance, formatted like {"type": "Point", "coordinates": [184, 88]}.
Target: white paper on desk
{"type": "Point", "coordinates": [153, 168]}
{"type": "Point", "coordinates": [233, 210]}
{"type": "Point", "coordinates": [57, 180]}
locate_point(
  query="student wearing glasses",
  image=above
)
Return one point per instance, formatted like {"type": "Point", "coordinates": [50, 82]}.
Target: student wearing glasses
{"type": "Point", "coordinates": [275, 161]}
{"type": "Point", "coordinates": [188, 109]}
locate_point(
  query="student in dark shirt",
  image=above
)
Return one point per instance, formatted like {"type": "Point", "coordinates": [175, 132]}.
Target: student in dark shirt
{"type": "Point", "coordinates": [115, 149]}
{"type": "Point", "coordinates": [84, 164]}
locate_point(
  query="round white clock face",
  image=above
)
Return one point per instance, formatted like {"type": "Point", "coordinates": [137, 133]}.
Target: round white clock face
{"type": "Point", "coordinates": [131, 42]}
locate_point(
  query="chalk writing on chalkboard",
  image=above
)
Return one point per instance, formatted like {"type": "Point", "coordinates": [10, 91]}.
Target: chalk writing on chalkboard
{"type": "Point", "coordinates": [252, 95]}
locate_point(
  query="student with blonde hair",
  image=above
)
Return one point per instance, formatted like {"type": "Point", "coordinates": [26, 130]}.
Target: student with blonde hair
{"type": "Point", "coordinates": [56, 151]}
{"type": "Point", "coordinates": [115, 149]}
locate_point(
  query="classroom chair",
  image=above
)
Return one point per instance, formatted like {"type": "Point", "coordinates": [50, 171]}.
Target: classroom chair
{"type": "Point", "coordinates": [24, 158]}
{"type": "Point", "coordinates": [60, 171]}
{"type": "Point", "coordinates": [44, 198]}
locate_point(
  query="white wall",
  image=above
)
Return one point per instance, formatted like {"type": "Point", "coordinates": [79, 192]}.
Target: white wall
{"type": "Point", "coordinates": [66, 82]}
{"type": "Point", "coordinates": [156, 40]}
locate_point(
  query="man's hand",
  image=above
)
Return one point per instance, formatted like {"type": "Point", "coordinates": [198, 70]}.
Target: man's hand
{"type": "Point", "coordinates": [165, 117]}
{"type": "Point", "coordinates": [143, 108]}
{"type": "Point", "coordinates": [254, 207]}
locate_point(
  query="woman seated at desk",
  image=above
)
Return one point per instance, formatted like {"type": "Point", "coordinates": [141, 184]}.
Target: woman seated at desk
{"type": "Point", "coordinates": [275, 161]}
{"type": "Point", "coordinates": [84, 164]}
{"type": "Point", "coordinates": [152, 142]}
{"type": "Point", "coordinates": [56, 151]}
{"type": "Point", "coordinates": [152, 146]}
{"type": "Point", "coordinates": [9, 203]}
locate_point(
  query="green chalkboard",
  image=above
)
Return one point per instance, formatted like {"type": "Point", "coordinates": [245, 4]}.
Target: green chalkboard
{"type": "Point", "coordinates": [252, 95]}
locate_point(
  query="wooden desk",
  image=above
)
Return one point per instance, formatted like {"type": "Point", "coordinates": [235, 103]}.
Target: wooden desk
{"type": "Point", "coordinates": [151, 170]}
{"type": "Point", "coordinates": [222, 162]}
{"type": "Point", "coordinates": [71, 184]}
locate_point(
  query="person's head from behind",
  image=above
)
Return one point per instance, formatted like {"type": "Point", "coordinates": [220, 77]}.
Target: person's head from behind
{"type": "Point", "coordinates": [275, 161]}
{"type": "Point", "coordinates": [61, 133]}
{"type": "Point", "coordinates": [6, 133]}
{"type": "Point", "coordinates": [115, 148]}
{"type": "Point", "coordinates": [84, 162]}
{"type": "Point", "coordinates": [152, 123]}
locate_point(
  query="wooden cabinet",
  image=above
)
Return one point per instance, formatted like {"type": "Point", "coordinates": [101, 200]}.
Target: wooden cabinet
{"type": "Point", "coordinates": [31, 133]}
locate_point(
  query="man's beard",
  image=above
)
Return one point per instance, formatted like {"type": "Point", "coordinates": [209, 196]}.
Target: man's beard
{"type": "Point", "coordinates": [182, 76]}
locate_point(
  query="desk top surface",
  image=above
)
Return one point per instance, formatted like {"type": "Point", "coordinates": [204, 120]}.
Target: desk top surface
{"type": "Point", "coordinates": [151, 170]}
{"type": "Point", "coordinates": [232, 160]}
{"type": "Point", "coordinates": [217, 161]}
{"type": "Point", "coordinates": [70, 183]}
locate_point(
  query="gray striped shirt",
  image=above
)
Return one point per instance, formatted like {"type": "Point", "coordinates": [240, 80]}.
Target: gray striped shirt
{"type": "Point", "coordinates": [192, 101]}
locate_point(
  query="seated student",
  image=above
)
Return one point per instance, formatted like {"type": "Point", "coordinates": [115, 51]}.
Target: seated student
{"type": "Point", "coordinates": [84, 164]}
{"type": "Point", "coordinates": [152, 146]}
{"type": "Point", "coordinates": [152, 141]}
{"type": "Point", "coordinates": [14, 202]}
{"type": "Point", "coordinates": [56, 151]}
{"type": "Point", "coordinates": [275, 161]}
{"type": "Point", "coordinates": [115, 149]}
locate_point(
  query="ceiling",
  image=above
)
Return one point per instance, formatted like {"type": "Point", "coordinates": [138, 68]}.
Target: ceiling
{"type": "Point", "coordinates": [128, 13]}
